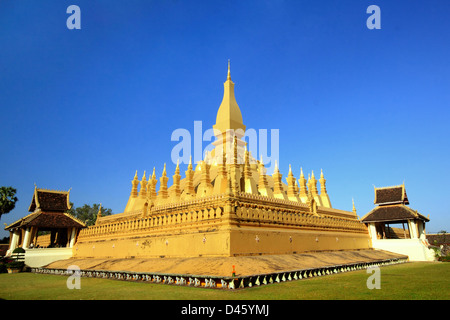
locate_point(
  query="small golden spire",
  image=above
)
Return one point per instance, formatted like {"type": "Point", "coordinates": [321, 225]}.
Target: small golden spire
{"type": "Point", "coordinates": [99, 213]}
{"type": "Point", "coordinates": [134, 186]}
{"type": "Point", "coordinates": [303, 188]}
{"type": "Point", "coordinates": [153, 182]}
{"type": "Point", "coordinates": [189, 188]}
{"type": "Point", "coordinates": [229, 74]}
{"type": "Point", "coordinates": [247, 169]}
{"type": "Point", "coordinates": [323, 189]}
{"type": "Point", "coordinates": [176, 181]}
{"type": "Point", "coordinates": [313, 184]}
{"type": "Point", "coordinates": [276, 168]}
{"type": "Point", "coordinates": [190, 163]}
{"type": "Point", "coordinates": [163, 194]}
{"type": "Point", "coordinates": [177, 169]}
{"type": "Point", "coordinates": [143, 191]}
{"type": "Point", "coordinates": [263, 186]}
{"type": "Point", "coordinates": [277, 184]}
{"type": "Point", "coordinates": [291, 181]}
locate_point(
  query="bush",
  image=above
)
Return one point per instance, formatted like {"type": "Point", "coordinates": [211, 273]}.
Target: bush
{"type": "Point", "coordinates": [15, 264]}
{"type": "Point", "coordinates": [19, 250]}
{"type": "Point", "coordinates": [3, 267]}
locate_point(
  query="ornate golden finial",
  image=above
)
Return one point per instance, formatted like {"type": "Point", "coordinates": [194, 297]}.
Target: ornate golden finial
{"type": "Point", "coordinates": [291, 181]}
{"type": "Point", "coordinates": [163, 193]}
{"type": "Point", "coordinates": [354, 209]}
{"type": "Point", "coordinates": [303, 187]}
{"type": "Point", "coordinates": [143, 191]}
{"type": "Point", "coordinates": [153, 182]}
{"type": "Point", "coordinates": [176, 181]}
{"type": "Point", "coordinates": [134, 186]}
{"type": "Point", "coordinates": [190, 179]}
{"type": "Point", "coordinates": [249, 181]}
{"type": "Point", "coordinates": [313, 184]}
{"type": "Point", "coordinates": [278, 191]}
{"type": "Point", "coordinates": [205, 187]}
{"type": "Point", "coordinates": [276, 168]}
{"type": "Point", "coordinates": [229, 115]}
{"type": "Point", "coordinates": [297, 190]}
{"type": "Point", "coordinates": [247, 169]}
{"type": "Point", "coordinates": [263, 186]}
{"type": "Point", "coordinates": [99, 213]}
{"type": "Point", "coordinates": [323, 189]}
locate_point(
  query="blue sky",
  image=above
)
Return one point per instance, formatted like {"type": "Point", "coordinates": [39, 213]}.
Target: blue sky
{"type": "Point", "coordinates": [84, 109]}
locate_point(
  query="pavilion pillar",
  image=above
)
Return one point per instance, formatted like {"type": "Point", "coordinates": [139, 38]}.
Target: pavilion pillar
{"type": "Point", "coordinates": [34, 232]}
{"type": "Point", "coordinates": [421, 229]}
{"type": "Point", "coordinates": [413, 229]}
{"type": "Point", "coordinates": [26, 238]}
{"type": "Point", "coordinates": [52, 238]}
{"type": "Point", "coordinates": [372, 231]}
{"type": "Point", "coordinates": [72, 235]}
{"type": "Point", "coordinates": [14, 240]}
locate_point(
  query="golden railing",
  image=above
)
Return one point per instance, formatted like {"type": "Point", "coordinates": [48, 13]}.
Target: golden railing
{"type": "Point", "coordinates": [247, 209]}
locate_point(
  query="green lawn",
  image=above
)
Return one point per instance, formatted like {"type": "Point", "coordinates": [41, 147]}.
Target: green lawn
{"type": "Point", "coordinates": [410, 281]}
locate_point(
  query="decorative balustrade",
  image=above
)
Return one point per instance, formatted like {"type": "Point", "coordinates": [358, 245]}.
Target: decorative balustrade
{"type": "Point", "coordinates": [262, 211]}
{"type": "Point", "coordinates": [140, 223]}
{"type": "Point", "coordinates": [250, 213]}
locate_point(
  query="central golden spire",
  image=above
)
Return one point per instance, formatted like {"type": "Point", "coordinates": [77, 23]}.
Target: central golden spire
{"type": "Point", "coordinates": [229, 115]}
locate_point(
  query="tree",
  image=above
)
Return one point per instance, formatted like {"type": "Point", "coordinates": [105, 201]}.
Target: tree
{"type": "Point", "coordinates": [7, 199]}
{"type": "Point", "coordinates": [88, 214]}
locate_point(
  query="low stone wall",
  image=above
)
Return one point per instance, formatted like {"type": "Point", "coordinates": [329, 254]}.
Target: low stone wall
{"type": "Point", "coordinates": [40, 257]}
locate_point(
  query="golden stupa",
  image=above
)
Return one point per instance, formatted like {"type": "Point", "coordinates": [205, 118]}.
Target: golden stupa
{"type": "Point", "coordinates": [228, 205]}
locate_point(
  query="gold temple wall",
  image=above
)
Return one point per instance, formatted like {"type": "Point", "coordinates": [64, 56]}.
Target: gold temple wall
{"type": "Point", "coordinates": [202, 227]}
